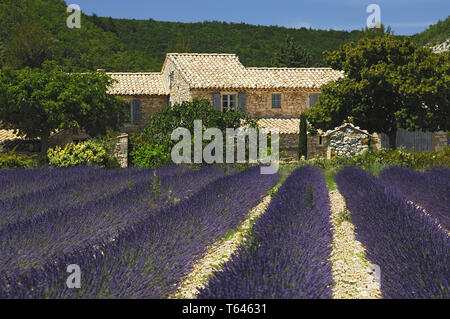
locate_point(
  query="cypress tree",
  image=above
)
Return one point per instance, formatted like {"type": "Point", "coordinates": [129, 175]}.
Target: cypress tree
{"type": "Point", "coordinates": [302, 138]}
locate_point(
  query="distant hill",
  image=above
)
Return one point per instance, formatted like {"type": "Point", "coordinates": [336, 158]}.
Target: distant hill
{"type": "Point", "coordinates": [435, 34]}
{"type": "Point", "coordinates": [123, 45]}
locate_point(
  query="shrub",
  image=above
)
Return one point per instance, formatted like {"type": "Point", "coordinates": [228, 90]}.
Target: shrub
{"type": "Point", "coordinates": [288, 253]}
{"type": "Point", "coordinates": [375, 161]}
{"type": "Point", "coordinates": [86, 153]}
{"type": "Point", "coordinates": [408, 245]}
{"type": "Point", "coordinates": [12, 159]}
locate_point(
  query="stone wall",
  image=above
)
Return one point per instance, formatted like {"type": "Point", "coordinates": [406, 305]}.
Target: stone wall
{"type": "Point", "coordinates": [317, 146]}
{"type": "Point", "coordinates": [120, 151]}
{"type": "Point", "coordinates": [289, 146]}
{"type": "Point", "coordinates": [439, 140]}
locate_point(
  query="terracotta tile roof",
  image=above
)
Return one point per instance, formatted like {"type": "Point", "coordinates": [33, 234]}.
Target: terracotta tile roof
{"type": "Point", "coordinates": [7, 135]}
{"type": "Point", "coordinates": [215, 70]}
{"type": "Point", "coordinates": [285, 126]}
{"type": "Point", "coordinates": [350, 125]}
{"type": "Point", "coordinates": [311, 78]}
{"type": "Point", "coordinates": [138, 84]}
{"type": "Point", "coordinates": [221, 71]}
{"type": "Point", "coordinates": [226, 71]}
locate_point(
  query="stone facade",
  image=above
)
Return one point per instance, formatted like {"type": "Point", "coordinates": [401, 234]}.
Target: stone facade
{"type": "Point", "coordinates": [346, 140]}
{"type": "Point", "coordinates": [149, 105]}
{"type": "Point", "coordinates": [179, 90]}
{"type": "Point", "coordinates": [259, 102]}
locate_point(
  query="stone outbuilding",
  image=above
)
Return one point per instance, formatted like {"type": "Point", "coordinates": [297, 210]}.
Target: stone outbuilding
{"type": "Point", "coordinates": [347, 140]}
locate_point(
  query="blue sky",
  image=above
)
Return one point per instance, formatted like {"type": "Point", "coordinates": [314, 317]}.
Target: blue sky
{"type": "Point", "coordinates": [406, 17]}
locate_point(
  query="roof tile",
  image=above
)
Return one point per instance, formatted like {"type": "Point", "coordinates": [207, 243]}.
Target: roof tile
{"type": "Point", "coordinates": [138, 84]}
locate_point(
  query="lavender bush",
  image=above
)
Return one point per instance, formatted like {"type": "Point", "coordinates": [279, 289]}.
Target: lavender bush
{"type": "Point", "coordinates": [148, 259]}
{"type": "Point", "coordinates": [289, 251]}
{"type": "Point", "coordinates": [430, 190]}
{"type": "Point", "coordinates": [410, 248]}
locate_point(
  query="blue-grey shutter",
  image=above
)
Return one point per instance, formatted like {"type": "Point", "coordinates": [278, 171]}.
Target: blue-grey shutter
{"type": "Point", "coordinates": [313, 98]}
{"type": "Point", "coordinates": [242, 98]}
{"type": "Point", "coordinates": [136, 112]}
{"type": "Point", "coordinates": [216, 101]}
{"type": "Point", "coordinates": [127, 109]}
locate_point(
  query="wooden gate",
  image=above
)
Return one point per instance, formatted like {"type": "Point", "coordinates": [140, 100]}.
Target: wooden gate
{"type": "Point", "coordinates": [414, 141]}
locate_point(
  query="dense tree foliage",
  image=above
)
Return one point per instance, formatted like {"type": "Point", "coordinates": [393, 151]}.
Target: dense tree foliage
{"type": "Point", "coordinates": [389, 83]}
{"type": "Point", "coordinates": [30, 46]}
{"type": "Point", "coordinates": [292, 55]}
{"type": "Point", "coordinates": [38, 102]}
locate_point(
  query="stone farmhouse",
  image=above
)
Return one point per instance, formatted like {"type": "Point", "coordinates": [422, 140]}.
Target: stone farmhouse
{"type": "Point", "coordinates": [225, 82]}
{"type": "Point", "coordinates": [276, 96]}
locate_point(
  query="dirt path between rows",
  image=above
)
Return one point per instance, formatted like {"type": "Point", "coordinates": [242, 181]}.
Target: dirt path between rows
{"type": "Point", "coordinates": [218, 254]}
{"type": "Point", "coordinates": [351, 273]}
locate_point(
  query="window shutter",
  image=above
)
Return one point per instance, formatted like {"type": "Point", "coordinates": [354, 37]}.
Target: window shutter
{"type": "Point", "coordinates": [313, 98]}
{"type": "Point", "coordinates": [242, 98]}
{"type": "Point", "coordinates": [216, 101]}
{"type": "Point", "coordinates": [136, 112]}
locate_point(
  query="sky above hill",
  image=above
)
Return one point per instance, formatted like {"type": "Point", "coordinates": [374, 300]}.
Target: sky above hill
{"type": "Point", "coordinates": [406, 17]}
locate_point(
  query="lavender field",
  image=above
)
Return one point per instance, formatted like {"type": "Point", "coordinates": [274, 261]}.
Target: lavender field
{"type": "Point", "coordinates": [139, 233]}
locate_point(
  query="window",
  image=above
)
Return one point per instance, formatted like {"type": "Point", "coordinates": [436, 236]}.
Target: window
{"type": "Point", "coordinates": [276, 101]}
{"type": "Point", "coordinates": [171, 76]}
{"type": "Point", "coordinates": [228, 102]}
{"type": "Point", "coordinates": [313, 98]}
{"type": "Point", "coordinates": [134, 112]}
{"type": "Point", "coordinates": [320, 140]}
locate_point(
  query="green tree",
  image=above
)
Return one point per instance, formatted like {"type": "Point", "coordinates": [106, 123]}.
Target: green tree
{"type": "Point", "coordinates": [181, 44]}
{"type": "Point", "coordinates": [29, 46]}
{"type": "Point", "coordinates": [39, 102]}
{"type": "Point", "coordinates": [152, 147]}
{"type": "Point", "coordinates": [389, 83]}
{"type": "Point", "coordinates": [292, 55]}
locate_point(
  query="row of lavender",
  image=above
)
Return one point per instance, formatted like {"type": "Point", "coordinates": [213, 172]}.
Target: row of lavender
{"type": "Point", "coordinates": [144, 260]}
{"type": "Point", "coordinates": [62, 217]}
{"type": "Point", "coordinates": [430, 190]}
{"type": "Point", "coordinates": [408, 245]}
{"type": "Point", "coordinates": [289, 251]}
